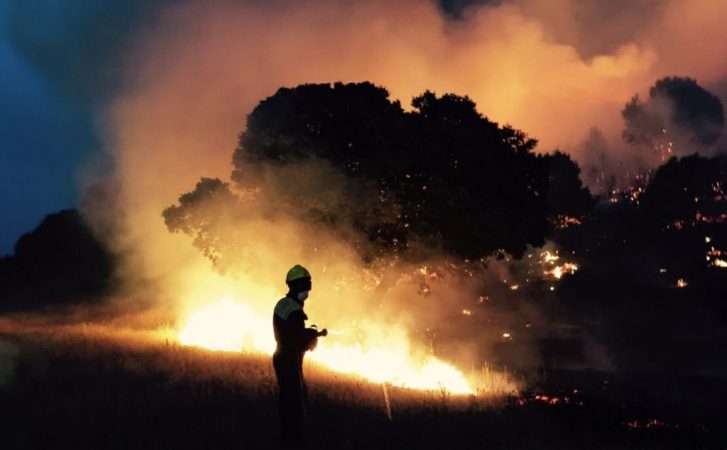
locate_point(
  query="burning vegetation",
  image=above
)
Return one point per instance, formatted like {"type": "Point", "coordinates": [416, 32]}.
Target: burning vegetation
{"type": "Point", "coordinates": [389, 215]}
{"type": "Point", "coordinates": [454, 259]}
{"type": "Point", "coordinates": [428, 270]}
{"type": "Point", "coordinates": [428, 259]}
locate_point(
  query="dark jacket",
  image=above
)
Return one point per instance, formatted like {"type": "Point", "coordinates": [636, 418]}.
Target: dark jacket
{"type": "Point", "coordinates": [291, 334]}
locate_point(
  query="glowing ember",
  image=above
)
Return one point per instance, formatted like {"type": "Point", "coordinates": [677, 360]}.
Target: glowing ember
{"type": "Point", "coordinates": [648, 423]}
{"type": "Point", "coordinates": [715, 258]}
{"type": "Point", "coordinates": [563, 221]}
{"type": "Point", "coordinates": [558, 271]}
{"type": "Point", "coordinates": [232, 326]}
{"type": "Point", "coordinates": [630, 194]}
{"type": "Point", "coordinates": [546, 257]}
{"type": "Point", "coordinates": [553, 270]}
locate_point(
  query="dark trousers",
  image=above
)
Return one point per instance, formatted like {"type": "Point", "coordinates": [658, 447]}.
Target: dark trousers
{"type": "Point", "coordinates": [292, 395]}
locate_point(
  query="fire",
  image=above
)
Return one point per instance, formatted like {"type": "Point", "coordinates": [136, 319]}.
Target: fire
{"type": "Point", "coordinates": [715, 257]}
{"type": "Point", "coordinates": [232, 326]}
{"type": "Point", "coordinates": [393, 366]}
{"type": "Point", "coordinates": [558, 271]}
{"type": "Point", "coordinates": [547, 257]}
{"type": "Point", "coordinates": [228, 326]}
{"type": "Point", "coordinates": [682, 283]}
{"type": "Point", "coordinates": [555, 270]}
{"type": "Point", "coordinates": [563, 221]}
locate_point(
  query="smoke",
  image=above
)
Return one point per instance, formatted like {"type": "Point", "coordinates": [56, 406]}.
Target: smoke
{"type": "Point", "coordinates": [193, 76]}
{"type": "Point", "coordinates": [517, 60]}
{"type": "Point", "coordinates": [469, 311]}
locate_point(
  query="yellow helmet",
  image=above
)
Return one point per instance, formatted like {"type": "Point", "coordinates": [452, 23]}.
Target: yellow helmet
{"type": "Point", "coordinates": [297, 272]}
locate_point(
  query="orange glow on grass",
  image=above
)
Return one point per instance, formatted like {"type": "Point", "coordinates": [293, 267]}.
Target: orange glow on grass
{"type": "Point", "coordinates": [232, 326]}
{"type": "Point", "coordinates": [228, 326]}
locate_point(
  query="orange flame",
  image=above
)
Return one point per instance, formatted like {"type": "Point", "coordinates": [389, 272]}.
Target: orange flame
{"type": "Point", "coordinates": [232, 326]}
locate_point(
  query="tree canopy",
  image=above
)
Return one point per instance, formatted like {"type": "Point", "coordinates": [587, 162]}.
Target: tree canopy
{"type": "Point", "coordinates": [440, 175]}
{"type": "Point", "coordinates": [678, 112]}
{"type": "Point", "coordinates": [687, 189]}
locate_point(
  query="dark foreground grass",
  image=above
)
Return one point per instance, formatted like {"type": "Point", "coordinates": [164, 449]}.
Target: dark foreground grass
{"type": "Point", "coordinates": [78, 388]}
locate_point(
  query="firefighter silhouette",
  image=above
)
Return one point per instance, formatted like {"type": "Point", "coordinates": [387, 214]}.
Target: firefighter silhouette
{"type": "Point", "coordinates": [293, 340]}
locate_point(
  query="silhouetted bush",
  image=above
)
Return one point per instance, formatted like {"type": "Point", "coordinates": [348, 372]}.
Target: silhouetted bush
{"type": "Point", "coordinates": [678, 112]}
{"type": "Point", "coordinates": [60, 261]}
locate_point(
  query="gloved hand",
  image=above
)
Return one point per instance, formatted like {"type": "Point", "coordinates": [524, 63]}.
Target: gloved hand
{"type": "Point", "coordinates": [312, 334]}
{"type": "Point", "coordinates": [323, 332]}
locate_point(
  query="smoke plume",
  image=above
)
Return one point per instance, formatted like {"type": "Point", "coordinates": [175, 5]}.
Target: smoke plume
{"type": "Point", "coordinates": [194, 76]}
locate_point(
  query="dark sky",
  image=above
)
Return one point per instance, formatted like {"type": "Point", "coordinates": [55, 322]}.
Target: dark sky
{"type": "Point", "coordinates": [59, 64]}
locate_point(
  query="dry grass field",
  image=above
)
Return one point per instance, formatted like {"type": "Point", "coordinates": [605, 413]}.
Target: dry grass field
{"type": "Point", "coordinates": [89, 386]}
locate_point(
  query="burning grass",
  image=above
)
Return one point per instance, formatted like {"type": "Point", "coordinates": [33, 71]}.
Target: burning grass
{"type": "Point", "coordinates": [100, 373]}
{"type": "Point", "coordinates": [162, 353]}
{"type": "Point", "coordinates": [232, 326]}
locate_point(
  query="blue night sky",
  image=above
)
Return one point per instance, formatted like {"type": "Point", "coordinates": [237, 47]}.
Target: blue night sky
{"type": "Point", "coordinates": [59, 65]}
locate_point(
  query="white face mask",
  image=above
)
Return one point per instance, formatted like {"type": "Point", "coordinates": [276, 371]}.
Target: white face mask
{"type": "Point", "coordinates": [303, 295]}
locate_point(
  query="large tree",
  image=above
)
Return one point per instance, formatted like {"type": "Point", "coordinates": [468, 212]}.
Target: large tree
{"type": "Point", "coordinates": [440, 176]}
{"type": "Point", "coordinates": [678, 116]}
